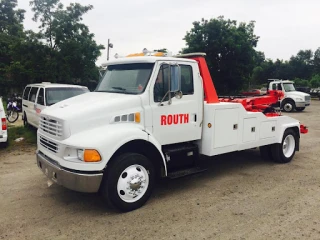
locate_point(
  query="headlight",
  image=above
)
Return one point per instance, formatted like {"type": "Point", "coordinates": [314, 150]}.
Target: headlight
{"type": "Point", "coordinates": [80, 154]}
{"type": "Point", "coordinates": [299, 99]}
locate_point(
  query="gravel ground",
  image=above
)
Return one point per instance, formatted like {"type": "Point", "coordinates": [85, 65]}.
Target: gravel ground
{"type": "Point", "coordinates": [239, 197]}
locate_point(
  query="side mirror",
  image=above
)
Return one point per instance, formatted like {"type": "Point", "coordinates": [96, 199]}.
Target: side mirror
{"type": "Point", "coordinates": [175, 78]}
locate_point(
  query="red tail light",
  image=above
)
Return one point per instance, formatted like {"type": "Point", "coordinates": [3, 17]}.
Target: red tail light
{"type": "Point", "coordinates": [4, 124]}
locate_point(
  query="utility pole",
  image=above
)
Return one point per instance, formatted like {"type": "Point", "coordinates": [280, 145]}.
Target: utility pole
{"type": "Point", "coordinates": [110, 45]}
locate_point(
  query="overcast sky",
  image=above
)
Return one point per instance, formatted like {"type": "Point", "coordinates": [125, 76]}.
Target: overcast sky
{"type": "Point", "coordinates": [284, 26]}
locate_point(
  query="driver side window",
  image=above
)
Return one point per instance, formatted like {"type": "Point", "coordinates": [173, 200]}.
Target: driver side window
{"type": "Point", "coordinates": [161, 85]}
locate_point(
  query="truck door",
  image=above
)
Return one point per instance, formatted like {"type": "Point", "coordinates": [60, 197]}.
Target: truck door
{"type": "Point", "coordinates": [32, 105]}
{"type": "Point", "coordinates": [178, 121]}
{"type": "Point", "coordinates": [39, 106]}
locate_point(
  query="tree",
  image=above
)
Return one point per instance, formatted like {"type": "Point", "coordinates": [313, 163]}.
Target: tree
{"type": "Point", "coordinates": [10, 18]}
{"type": "Point", "coordinates": [11, 33]}
{"type": "Point", "coordinates": [302, 64]}
{"type": "Point", "coordinates": [229, 47]}
{"type": "Point", "coordinates": [72, 51]}
{"type": "Point", "coordinates": [316, 61]}
{"type": "Point", "coordinates": [315, 81]}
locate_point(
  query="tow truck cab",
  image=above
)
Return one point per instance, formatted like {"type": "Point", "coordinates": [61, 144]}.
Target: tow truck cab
{"type": "Point", "coordinates": [151, 117]}
{"type": "Point", "coordinates": [293, 99]}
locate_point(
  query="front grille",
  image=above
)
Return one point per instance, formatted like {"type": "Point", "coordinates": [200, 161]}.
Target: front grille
{"type": "Point", "coordinates": [53, 147]}
{"type": "Point", "coordinates": [307, 98]}
{"type": "Point", "coordinates": [51, 126]}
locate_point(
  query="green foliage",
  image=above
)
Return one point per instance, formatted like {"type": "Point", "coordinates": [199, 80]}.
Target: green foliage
{"type": "Point", "coordinates": [315, 81]}
{"type": "Point", "coordinates": [29, 134]}
{"type": "Point", "coordinates": [72, 50]}
{"type": "Point", "coordinates": [229, 47]}
{"type": "Point", "coordinates": [300, 67]}
{"type": "Point", "coordinates": [301, 82]}
{"type": "Point", "coordinates": [62, 51]}
{"type": "Point", "coordinates": [316, 61]}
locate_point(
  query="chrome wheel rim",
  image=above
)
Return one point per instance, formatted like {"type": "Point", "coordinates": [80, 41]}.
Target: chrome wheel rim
{"type": "Point", "coordinates": [288, 146]}
{"type": "Point", "coordinates": [133, 183]}
{"type": "Point", "coordinates": [288, 107]}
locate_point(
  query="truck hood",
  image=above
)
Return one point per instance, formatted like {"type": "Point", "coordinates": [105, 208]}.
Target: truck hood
{"type": "Point", "coordinates": [92, 109]}
{"type": "Point", "coordinates": [297, 94]}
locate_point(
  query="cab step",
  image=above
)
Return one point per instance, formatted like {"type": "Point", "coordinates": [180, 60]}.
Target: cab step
{"type": "Point", "coordinates": [185, 172]}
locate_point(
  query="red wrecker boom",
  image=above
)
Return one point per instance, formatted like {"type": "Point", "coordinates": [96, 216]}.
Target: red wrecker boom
{"type": "Point", "coordinates": [253, 104]}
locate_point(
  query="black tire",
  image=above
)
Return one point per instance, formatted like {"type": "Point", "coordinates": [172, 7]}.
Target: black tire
{"type": "Point", "coordinates": [278, 149]}
{"type": "Point", "coordinates": [300, 109]}
{"type": "Point", "coordinates": [12, 116]}
{"type": "Point", "coordinates": [120, 172]}
{"type": "Point", "coordinates": [25, 120]}
{"type": "Point", "coordinates": [265, 153]}
{"type": "Point", "coordinates": [4, 144]}
{"type": "Point", "coordinates": [288, 105]}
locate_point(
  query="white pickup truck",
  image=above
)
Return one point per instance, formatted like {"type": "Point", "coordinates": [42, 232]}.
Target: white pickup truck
{"type": "Point", "coordinates": [153, 117]}
{"type": "Point", "coordinates": [293, 100]}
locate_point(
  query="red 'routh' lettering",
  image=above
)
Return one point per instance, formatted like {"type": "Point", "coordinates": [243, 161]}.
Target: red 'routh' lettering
{"type": "Point", "coordinates": [180, 116]}
{"type": "Point", "coordinates": [176, 119]}
{"type": "Point", "coordinates": [163, 120]}
{"type": "Point", "coordinates": [186, 118]}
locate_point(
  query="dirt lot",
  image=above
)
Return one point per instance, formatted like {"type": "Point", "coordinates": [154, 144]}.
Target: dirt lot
{"type": "Point", "coordinates": [239, 197]}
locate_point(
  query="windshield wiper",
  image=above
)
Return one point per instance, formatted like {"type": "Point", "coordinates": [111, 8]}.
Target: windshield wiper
{"type": "Point", "coordinates": [119, 88]}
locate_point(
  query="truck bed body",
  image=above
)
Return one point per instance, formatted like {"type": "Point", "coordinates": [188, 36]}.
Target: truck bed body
{"type": "Point", "coordinates": [235, 129]}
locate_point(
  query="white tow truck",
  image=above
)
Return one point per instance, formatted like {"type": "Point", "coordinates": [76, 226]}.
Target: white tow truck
{"type": "Point", "coordinates": [293, 99]}
{"type": "Point", "coordinates": [154, 116]}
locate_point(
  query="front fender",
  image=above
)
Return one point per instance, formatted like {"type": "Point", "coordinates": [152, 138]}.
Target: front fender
{"type": "Point", "coordinates": [108, 139]}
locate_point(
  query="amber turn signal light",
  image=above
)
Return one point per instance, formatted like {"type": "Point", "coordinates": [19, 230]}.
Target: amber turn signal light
{"type": "Point", "coordinates": [91, 155]}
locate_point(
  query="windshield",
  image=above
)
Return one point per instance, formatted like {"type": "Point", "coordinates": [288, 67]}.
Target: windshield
{"type": "Point", "coordinates": [126, 78]}
{"type": "Point", "coordinates": [288, 87]}
{"type": "Point", "coordinates": [54, 95]}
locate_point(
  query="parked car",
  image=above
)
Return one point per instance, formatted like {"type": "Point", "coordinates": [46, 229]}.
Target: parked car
{"type": "Point", "coordinates": [3, 129]}
{"type": "Point", "coordinates": [37, 97]}
{"type": "Point", "coordinates": [315, 92]}
{"type": "Point", "coordinates": [253, 92]}
{"type": "Point", "coordinates": [303, 89]}
{"type": "Point", "coordinates": [263, 90]}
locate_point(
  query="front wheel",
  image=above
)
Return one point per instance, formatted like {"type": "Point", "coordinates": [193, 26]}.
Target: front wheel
{"type": "Point", "coordinates": [283, 152]}
{"type": "Point", "coordinates": [288, 105]}
{"type": "Point", "coordinates": [129, 181]}
{"type": "Point", "coordinates": [300, 109]}
{"type": "Point", "coordinates": [12, 116]}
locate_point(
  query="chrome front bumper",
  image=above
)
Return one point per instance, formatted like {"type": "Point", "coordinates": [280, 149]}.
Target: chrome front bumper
{"type": "Point", "coordinates": [74, 180]}
{"type": "Point", "coordinates": [302, 104]}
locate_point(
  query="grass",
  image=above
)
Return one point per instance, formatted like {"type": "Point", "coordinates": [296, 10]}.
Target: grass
{"type": "Point", "coordinates": [29, 135]}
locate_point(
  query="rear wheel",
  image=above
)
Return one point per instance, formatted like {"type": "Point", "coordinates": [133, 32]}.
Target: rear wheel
{"type": "Point", "coordinates": [129, 181]}
{"type": "Point", "coordinates": [283, 152]}
{"type": "Point", "coordinates": [300, 109]}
